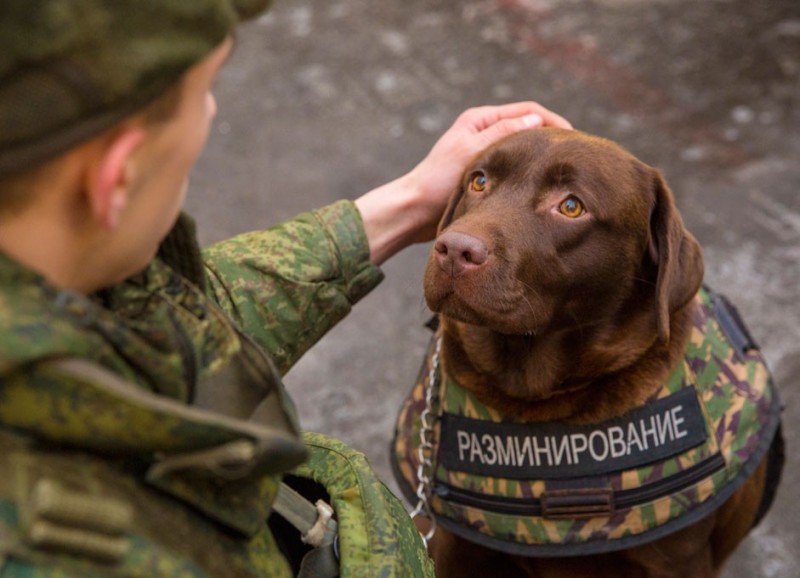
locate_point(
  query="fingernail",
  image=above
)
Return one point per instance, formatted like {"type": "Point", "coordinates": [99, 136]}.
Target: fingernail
{"type": "Point", "coordinates": [532, 120]}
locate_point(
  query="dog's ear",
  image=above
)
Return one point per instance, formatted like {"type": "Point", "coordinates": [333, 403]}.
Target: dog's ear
{"type": "Point", "coordinates": [450, 210]}
{"type": "Point", "coordinates": [676, 253]}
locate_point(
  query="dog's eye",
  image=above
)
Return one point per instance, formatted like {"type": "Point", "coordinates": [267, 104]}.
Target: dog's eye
{"type": "Point", "coordinates": [478, 182]}
{"type": "Point", "coordinates": [571, 207]}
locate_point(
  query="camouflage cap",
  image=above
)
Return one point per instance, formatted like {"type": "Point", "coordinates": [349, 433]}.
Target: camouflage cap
{"type": "Point", "coordinates": [71, 68]}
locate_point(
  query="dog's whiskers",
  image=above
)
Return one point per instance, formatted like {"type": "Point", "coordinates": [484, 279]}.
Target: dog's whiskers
{"type": "Point", "coordinates": [577, 323]}
{"type": "Point", "coordinates": [531, 332]}
{"type": "Point", "coordinates": [531, 292]}
{"type": "Point", "coordinates": [642, 280]}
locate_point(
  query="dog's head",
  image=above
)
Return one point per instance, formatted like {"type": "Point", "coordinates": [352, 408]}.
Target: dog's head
{"type": "Point", "coordinates": [554, 230]}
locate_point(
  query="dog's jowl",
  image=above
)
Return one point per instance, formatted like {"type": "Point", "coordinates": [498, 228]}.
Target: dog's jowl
{"type": "Point", "coordinates": [588, 406]}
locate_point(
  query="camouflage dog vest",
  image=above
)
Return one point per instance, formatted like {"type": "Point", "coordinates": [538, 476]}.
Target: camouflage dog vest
{"type": "Point", "coordinates": [555, 489]}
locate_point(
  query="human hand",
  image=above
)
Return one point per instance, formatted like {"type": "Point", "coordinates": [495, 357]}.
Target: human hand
{"type": "Point", "coordinates": [439, 173]}
{"type": "Point", "coordinates": [408, 210]}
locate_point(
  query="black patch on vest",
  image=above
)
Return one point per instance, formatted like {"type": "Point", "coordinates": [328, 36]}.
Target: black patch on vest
{"type": "Point", "coordinates": [656, 431]}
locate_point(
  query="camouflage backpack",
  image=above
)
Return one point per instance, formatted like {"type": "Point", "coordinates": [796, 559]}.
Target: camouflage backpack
{"type": "Point", "coordinates": [553, 489]}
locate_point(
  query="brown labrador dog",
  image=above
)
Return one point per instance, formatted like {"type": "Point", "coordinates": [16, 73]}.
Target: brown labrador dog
{"type": "Point", "coordinates": [565, 284]}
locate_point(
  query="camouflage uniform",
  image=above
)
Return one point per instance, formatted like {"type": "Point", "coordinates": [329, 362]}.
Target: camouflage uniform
{"type": "Point", "coordinates": [106, 469]}
{"type": "Point", "coordinates": [144, 430]}
{"type": "Point", "coordinates": [556, 490]}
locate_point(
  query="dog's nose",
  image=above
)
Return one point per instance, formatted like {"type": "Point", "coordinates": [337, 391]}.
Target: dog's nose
{"type": "Point", "coordinates": [458, 252]}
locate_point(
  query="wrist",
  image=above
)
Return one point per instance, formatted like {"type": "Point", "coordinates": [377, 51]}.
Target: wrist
{"type": "Point", "coordinates": [393, 217]}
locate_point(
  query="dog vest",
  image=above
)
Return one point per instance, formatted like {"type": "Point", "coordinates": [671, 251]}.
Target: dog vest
{"type": "Point", "coordinates": [555, 489]}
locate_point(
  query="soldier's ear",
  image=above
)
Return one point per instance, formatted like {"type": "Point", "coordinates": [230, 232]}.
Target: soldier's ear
{"type": "Point", "coordinates": [108, 181]}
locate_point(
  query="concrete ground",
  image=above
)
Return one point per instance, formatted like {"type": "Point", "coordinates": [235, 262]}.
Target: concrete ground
{"type": "Point", "coordinates": [325, 100]}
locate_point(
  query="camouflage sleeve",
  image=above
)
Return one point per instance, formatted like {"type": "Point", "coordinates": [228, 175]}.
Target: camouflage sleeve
{"type": "Point", "coordinates": [288, 285]}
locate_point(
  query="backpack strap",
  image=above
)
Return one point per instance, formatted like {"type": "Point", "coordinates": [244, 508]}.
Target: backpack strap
{"type": "Point", "coordinates": [317, 528]}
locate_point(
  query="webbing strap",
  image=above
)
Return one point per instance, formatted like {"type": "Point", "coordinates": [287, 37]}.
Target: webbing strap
{"type": "Point", "coordinates": [317, 528]}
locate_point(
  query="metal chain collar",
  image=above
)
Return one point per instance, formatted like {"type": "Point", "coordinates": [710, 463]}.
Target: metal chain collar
{"type": "Point", "coordinates": [425, 449]}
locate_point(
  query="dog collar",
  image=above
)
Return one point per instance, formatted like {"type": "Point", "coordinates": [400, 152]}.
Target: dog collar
{"type": "Point", "coordinates": [554, 489]}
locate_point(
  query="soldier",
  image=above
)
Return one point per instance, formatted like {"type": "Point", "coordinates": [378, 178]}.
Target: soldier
{"type": "Point", "coordinates": [144, 430]}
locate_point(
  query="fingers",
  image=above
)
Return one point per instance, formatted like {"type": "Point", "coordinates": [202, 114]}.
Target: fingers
{"type": "Point", "coordinates": [488, 124]}
{"type": "Point", "coordinates": [484, 117]}
{"type": "Point", "coordinates": [507, 127]}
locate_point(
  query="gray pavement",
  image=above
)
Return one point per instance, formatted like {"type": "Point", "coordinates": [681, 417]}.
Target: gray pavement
{"type": "Point", "coordinates": [325, 100]}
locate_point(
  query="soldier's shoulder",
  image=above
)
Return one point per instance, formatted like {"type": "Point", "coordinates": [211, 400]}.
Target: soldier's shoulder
{"type": "Point", "coordinates": [36, 323]}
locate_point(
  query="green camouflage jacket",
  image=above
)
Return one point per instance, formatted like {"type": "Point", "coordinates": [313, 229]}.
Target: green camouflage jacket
{"type": "Point", "coordinates": [554, 489]}
{"type": "Point", "coordinates": [144, 430]}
